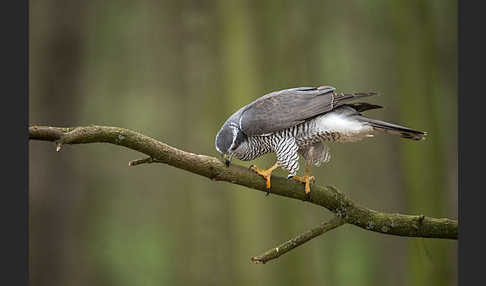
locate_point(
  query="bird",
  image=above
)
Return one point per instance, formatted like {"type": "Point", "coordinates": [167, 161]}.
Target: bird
{"type": "Point", "coordinates": [300, 121]}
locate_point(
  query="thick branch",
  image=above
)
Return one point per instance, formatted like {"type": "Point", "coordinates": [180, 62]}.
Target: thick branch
{"type": "Point", "coordinates": [328, 197]}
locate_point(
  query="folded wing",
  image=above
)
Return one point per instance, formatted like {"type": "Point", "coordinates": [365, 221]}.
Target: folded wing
{"type": "Point", "coordinates": [286, 108]}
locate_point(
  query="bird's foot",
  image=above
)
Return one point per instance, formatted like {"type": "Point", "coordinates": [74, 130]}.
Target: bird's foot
{"type": "Point", "coordinates": [307, 180]}
{"type": "Point", "coordinates": [266, 174]}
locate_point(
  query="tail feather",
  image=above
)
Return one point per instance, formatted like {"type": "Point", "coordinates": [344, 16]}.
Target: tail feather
{"type": "Point", "coordinates": [353, 96]}
{"type": "Point", "coordinates": [342, 98]}
{"type": "Point", "coordinates": [363, 106]}
{"type": "Point", "coordinates": [402, 131]}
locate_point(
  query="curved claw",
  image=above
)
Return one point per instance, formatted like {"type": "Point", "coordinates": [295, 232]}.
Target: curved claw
{"type": "Point", "coordinates": [267, 192]}
{"type": "Point", "coordinates": [307, 197]}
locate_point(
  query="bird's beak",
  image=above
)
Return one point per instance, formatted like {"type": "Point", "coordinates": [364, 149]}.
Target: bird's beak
{"type": "Point", "coordinates": [227, 160]}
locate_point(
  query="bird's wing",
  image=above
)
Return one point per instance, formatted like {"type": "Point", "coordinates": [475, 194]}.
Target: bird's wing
{"type": "Point", "coordinates": [286, 108]}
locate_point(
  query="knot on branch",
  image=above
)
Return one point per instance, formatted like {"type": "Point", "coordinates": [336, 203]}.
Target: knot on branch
{"type": "Point", "coordinates": [342, 203]}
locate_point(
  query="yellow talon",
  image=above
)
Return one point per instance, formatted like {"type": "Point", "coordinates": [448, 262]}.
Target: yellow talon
{"type": "Point", "coordinates": [267, 174]}
{"type": "Point", "coordinates": [307, 180]}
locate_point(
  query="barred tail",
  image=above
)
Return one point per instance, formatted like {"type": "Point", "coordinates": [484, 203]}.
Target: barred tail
{"type": "Point", "coordinates": [402, 131]}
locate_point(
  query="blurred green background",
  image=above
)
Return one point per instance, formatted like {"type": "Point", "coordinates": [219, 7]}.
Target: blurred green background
{"type": "Point", "coordinates": [175, 70]}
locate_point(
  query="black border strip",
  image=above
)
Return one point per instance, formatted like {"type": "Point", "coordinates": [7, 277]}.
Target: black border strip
{"type": "Point", "coordinates": [471, 49]}
{"type": "Point", "coordinates": [14, 203]}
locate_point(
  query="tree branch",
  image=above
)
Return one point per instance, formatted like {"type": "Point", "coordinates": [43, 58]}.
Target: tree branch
{"type": "Point", "coordinates": [297, 241]}
{"type": "Point", "coordinates": [147, 160]}
{"type": "Point", "coordinates": [210, 167]}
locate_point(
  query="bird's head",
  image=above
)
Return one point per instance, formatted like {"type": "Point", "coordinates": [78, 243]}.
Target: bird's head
{"type": "Point", "coordinates": [230, 141]}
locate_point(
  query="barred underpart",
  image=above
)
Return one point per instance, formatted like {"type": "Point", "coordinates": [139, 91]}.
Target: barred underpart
{"type": "Point", "coordinates": [306, 139]}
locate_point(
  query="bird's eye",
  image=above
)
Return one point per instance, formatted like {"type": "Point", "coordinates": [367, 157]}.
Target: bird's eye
{"type": "Point", "coordinates": [233, 148]}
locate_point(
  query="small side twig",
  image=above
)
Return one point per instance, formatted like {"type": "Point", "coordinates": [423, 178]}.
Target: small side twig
{"type": "Point", "coordinates": [58, 147]}
{"type": "Point", "coordinates": [297, 241]}
{"type": "Point", "coordinates": [147, 160]}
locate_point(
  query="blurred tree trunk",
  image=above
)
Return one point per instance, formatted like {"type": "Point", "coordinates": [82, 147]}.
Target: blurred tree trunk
{"type": "Point", "coordinates": [56, 62]}
{"type": "Point", "coordinates": [422, 107]}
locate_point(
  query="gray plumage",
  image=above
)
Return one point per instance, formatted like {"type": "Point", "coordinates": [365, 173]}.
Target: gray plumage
{"type": "Point", "coordinates": [298, 121]}
{"type": "Point", "coordinates": [286, 108]}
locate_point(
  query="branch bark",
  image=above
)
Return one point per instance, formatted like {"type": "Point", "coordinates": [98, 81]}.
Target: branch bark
{"type": "Point", "coordinates": [326, 196]}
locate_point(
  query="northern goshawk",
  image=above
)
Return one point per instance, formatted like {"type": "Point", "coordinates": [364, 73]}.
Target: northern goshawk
{"type": "Point", "coordinates": [298, 121]}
